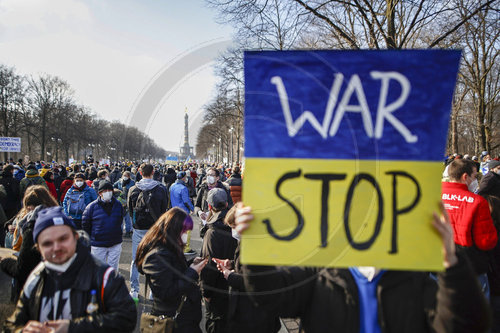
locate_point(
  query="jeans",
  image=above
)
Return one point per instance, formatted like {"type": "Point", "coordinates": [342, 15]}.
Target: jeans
{"type": "Point", "coordinates": [485, 285]}
{"type": "Point", "coordinates": [137, 236]}
{"type": "Point", "coordinates": [108, 255]}
{"type": "Point", "coordinates": [127, 221]}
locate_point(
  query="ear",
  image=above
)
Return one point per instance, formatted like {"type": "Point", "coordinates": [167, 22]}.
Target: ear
{"type": "Point", "coordinates": [464, 177]}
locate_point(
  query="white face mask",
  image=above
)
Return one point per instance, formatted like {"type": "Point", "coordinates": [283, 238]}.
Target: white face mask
{"type": "Point", "coordinates": [235, 234]}
{"type": "Point", "coordinates": [210, 179]}
{"type": "Point", "coordinates": [125, 178]}
{"type": "Point", "coordinates": [106, 196]}
{"type": "Point", "coordinates": [473, 186]}
{"type": "Point", "coordinates": [79, 184]}
{"type": "Point", "coordinates": [184, 238]}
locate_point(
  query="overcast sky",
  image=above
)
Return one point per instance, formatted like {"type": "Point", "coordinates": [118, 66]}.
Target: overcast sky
{"type": "Point", "coordinates": [112, 52]}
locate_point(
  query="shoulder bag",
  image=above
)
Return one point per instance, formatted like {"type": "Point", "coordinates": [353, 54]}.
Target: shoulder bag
{"type": "Point", "coordinates": [158, 324]}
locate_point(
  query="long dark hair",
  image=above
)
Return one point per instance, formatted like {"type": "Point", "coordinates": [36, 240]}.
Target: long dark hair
{"type": "Point", "coordinates": [165, 232]}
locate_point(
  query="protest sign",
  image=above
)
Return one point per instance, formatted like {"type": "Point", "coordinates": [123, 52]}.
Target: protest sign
{"type": "Point", "coordinates": [12, 145]}
{"type": "Point", "coordinates": [344, 156]}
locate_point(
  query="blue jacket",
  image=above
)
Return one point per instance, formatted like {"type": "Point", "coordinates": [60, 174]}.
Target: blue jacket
{"type": "Point", "coordinates": [75, 209]}
{"type": "Point", "coordinates": [105, 230]}
{"type": "Point", "coordinates": [179, 195]}
{"type": "Point", "coordinates": [20, 174]}
{"type": "Point", "coordinates": [119, 185]}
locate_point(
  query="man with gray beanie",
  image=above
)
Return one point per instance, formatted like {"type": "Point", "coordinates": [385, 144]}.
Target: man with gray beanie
{"type": "Point", "coordinates": [70, 291]}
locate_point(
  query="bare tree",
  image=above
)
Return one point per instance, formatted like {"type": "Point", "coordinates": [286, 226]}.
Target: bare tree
{"type": "Point", "coordinates": [481, 44]}
{"type": "Point", "coordinates": [12, 101]}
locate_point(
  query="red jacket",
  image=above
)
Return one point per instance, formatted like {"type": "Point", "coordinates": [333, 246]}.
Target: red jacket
{"type": "Point", "coordinates": [470, 217]}
{"type": "Point", "coordinates": [65, 185]}
{"type": "Point", "coordinates": [52, 189]}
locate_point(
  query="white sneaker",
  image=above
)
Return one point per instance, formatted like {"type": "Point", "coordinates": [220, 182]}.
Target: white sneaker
{"type": "Point", "coordinates": [134, 294]}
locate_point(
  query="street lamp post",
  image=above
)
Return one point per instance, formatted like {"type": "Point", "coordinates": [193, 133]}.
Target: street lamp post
{"type": "Point", "coordinates": [231, 130]}
{"type": "Point", "coordinates": [220, 151]}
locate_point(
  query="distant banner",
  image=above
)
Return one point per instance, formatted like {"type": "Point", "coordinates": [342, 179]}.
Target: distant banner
{"type": "Point", "coordinates": [343, 156]}
{"type": "Point", "coordinates": [12, 145]}
{"type": "Point", "coordinates": [172, 158]}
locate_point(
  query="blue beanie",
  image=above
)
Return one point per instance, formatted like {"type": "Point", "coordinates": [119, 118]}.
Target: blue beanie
{"type": "Point", "coordinates": [49, 217]}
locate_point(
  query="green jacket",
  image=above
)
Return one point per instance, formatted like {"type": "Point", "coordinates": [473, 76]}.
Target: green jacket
{"type": "Point", "coordinates": [32, 178]}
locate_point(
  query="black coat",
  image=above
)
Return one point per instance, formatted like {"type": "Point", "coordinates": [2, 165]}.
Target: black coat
{"type": "Point", "coordinates": [490, 185]}
{"type": "Point", "coordinates": [29, 257]}
{"type": "Point", "coordinates": [117, 311]}
{"type": "Point", "coordinates": [326, 300]}
{"type": "Point", "coordinates": [217, 243]}
{"type": "Point", "coordinates": [242, 311]}
{"type": "Point", "coordinates": [169, 279]}
{"type": "Point", "coordinates": [12, 202]}
{"type": "Point", "coordinates": [201, 198]}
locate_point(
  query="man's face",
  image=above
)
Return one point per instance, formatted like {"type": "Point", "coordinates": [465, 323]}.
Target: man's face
{"type": "Point", "coordinates": [57, 244]}
{"type": "Point", "coordinates": [213, 174]}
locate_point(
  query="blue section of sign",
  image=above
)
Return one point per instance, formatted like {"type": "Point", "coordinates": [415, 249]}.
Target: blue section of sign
{"type": "Point", "coordinates": [389, 105]}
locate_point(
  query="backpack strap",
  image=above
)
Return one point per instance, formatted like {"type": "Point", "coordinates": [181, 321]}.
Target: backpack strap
{"type": "Point", "coordinates": [105, 278]}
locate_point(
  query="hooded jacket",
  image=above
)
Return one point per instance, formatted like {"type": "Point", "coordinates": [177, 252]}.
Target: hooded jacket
{"type": "Point", "coordinates": [117, 311]}
{"type": "Point", "coordinates": [158, 203]}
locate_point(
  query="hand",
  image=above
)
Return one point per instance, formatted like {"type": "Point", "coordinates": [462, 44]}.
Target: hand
{"type": "Point", "coordinates": [197, 260]}
{"type": "Point", "coordinates": [226, 263]}
{"type": "Point", "coordinates": [243, 217]}
{"type": "Point", "coordinates": [224, 266]}
{"type": "Point", "coordinates": [443, 226]}
{"type": "Point", "coordinates": [59, 326]}
{"type": "Point", "coordinates": [36, 327]}
{"type": "Point", "coordinates": [11, 228]}
{"type": "Point", "coordinates": [199, 265]}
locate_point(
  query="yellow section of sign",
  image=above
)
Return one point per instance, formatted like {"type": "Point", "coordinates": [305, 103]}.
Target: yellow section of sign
{"type": "Point", "coordinates": [341, 213]}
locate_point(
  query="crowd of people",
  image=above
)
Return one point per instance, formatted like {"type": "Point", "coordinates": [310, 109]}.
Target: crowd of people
{"type": "Point", "coordinates": [66, 226]}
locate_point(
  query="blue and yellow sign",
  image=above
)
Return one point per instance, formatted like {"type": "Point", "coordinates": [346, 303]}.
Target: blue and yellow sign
{"type": "Point", "coordinates": [343, 156]}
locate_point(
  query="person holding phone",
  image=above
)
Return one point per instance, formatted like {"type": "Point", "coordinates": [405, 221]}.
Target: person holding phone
{"type": "Point", "coordinates": [160, 257]}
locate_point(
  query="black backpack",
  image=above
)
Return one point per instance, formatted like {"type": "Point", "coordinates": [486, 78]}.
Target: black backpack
{"type": "Point", "coordinates": [145, 217]}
